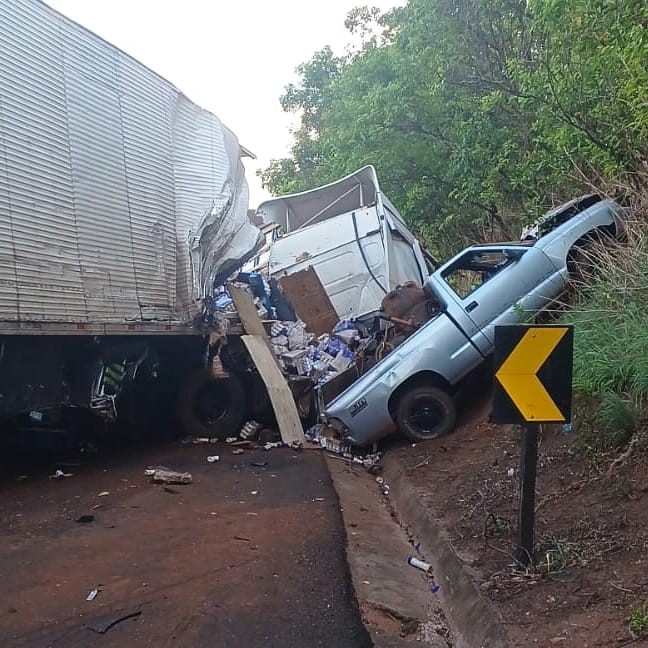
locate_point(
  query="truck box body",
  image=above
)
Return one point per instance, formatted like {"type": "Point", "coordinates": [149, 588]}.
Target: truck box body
{"type": "Point", "coordinates": [121, 201]}
{"type": "Point", "coordinates": [353, 237]}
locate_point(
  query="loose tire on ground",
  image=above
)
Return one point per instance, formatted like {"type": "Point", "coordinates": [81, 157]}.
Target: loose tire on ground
{"type": "Point", "coordinates": [211, 407]}
{"type": "Point", "coordinates": [425, 413]}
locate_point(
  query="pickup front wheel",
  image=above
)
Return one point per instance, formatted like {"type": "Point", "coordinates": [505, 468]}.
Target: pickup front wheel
{"type": "Point", "coordinates": [425, 413]}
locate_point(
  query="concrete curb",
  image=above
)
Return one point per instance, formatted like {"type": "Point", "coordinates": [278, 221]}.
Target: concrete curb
{"type": "Point", "coordinates": [376, 552]}
{"type": "Point", "coordinates": [472, 619]}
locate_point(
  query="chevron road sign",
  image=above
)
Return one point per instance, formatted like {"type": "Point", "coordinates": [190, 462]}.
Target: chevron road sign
{"type": "Point", "coordinates": [533, 374]}
{"type": "Point", "coordinates": [532, 385]}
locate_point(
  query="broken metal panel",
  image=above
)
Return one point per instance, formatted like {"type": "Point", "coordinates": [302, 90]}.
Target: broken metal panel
{"type": "Point", "coordinates": [120, 200]}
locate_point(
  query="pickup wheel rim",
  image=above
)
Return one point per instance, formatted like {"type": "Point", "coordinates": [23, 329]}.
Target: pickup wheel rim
{"type": "Point", "coordinates": [426, 413]}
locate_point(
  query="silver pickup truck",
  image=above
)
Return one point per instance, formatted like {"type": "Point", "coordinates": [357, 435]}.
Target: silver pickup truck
{"type": "Point", "coordinates": [413, 388]}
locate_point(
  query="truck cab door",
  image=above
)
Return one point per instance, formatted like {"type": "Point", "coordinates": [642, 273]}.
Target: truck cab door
{"type": "Point", "coordinates": [490, 283]}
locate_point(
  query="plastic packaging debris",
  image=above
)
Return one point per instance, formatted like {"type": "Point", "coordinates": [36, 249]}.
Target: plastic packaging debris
{"type": "Point", "coordinates": [270, 446]}
{"type": "Point", "coordinates": [103, 493]}
{"type": "Point", "coordinates": [231, 440]}
{"type": "Point", "coordinates": [213, 458]}
{"type": "Point", "coordinates": [315, 432]}
{"type": "Point", "coordinates": [162, 475]}
{"type": "Point", "coordinates": [92, 595]}
{"type": "Point", "coordinates": [238, 451]}
{"type": "Point", "coordinates": [250, 430]}
{"type": "Point", "coordinates": [434, 588]}
{"type": "Point", "coordinates": [347, 336]}
{"type": "Point", "coordinates": [201, 440]}
{"type": "Point", "coordinates": [59, 474]}
{"type": "Point", "coordinates": [223, 301]}
{"type": "Point", "coordinates": [419, 564]}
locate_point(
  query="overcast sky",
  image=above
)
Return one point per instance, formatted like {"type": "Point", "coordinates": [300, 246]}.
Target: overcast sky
{"type": "Point", "coordinates": [232, 57]}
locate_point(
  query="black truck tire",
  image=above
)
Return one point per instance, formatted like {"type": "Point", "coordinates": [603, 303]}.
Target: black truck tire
{"type": "Point", "coordinates": [211, 407]}
{"type": "Point", "coordinates": [425, 413]}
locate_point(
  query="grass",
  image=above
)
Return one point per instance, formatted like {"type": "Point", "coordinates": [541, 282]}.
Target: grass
{"type": "Point", "coordinates": [638, 619]}
{"type": "Point", "coordinates": [610, 318]}
{"type": "Point", "coordinates": [554, 557]}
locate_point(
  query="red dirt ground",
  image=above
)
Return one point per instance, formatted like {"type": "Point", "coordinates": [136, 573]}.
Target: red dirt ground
{"type": "Point", "coordinates": [591, 531]}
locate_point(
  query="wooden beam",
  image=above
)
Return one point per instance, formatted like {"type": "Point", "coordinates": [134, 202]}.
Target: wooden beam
{"type": "Point", "coordinates": [247, 311]}
{"type": "Point", "coordinates": [283, 404]}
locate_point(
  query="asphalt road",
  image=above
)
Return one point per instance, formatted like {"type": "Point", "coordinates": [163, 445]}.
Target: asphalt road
{"type": "Point", "coordinates": [244, 556]}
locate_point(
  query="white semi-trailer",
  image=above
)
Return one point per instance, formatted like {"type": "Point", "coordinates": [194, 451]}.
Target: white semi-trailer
{"type": "Point", "coordinates": [122, 204]}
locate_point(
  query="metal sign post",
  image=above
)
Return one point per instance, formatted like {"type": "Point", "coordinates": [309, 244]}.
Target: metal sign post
{"type": "Point", "coordinates": [526, 510]}
{"type": "Point", "coordinates": [533, 376]}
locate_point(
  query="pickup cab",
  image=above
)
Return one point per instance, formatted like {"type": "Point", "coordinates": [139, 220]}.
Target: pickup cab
{"type": "Point", "coordinates": [413, 388]}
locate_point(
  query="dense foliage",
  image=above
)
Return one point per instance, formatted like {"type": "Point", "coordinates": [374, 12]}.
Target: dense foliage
{"type": "Point", "coordinates": [610, 320]}
{"type": "Point", "coordinates": [477, 113]}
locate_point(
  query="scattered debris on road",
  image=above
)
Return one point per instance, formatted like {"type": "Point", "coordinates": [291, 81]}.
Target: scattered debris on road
{"type": "Point", "coordinates": [85, 519]}
{"type": "Point", "coordinates": [419, 564]}
{"type": "Point", "coordinates": [103, 494]}
{"type": "Point", "coordinates": [163, 475]}
{"type": "Point", "coordinates": [59, 474]}
{"type": "Point", "coordinates": [250, 430]}
{"type": "Point", "coordinates": [103, 624]}
{"type": "Point", "coordinates": [92, 594]}
{"type": "Point", "coordinates": [213, 458]}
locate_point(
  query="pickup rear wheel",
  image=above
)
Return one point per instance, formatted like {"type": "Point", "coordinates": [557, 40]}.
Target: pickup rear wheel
{"type": "Point", "coordinates": [425, 413]}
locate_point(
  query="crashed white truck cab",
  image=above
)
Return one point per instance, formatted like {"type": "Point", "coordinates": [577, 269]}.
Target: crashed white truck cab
{"type": "Point", "coordinates": [352, 236]}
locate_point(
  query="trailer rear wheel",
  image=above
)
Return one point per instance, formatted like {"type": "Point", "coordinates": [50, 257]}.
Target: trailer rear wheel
{"type": "Point", "coordinates": [425, 413]}
{"type": "Point", "coordinates": [211, 407]}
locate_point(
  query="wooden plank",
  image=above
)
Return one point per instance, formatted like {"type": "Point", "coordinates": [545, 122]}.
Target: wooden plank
{"type": "Point", "coordinates": [247, 311]}
{"type": "Point", "coordinates": [307, 296]}
{"type": "Point", "coordinates": [283, 404]}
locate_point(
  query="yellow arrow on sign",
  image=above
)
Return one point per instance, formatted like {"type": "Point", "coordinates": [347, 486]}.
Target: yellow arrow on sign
{"type": "Point", "coordinates": [518, 374]}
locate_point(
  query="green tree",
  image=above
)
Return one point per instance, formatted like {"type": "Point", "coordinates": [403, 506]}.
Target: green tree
{"type": "Point", "coordinates": [476, 113]}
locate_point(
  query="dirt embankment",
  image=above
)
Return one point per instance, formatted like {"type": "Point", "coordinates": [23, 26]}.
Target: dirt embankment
{"type": "Point", "coordinates": [591, 531]}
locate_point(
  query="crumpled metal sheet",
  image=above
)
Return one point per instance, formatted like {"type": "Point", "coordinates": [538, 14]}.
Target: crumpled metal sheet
{"type": "Point", "coordinates": [120, 199]}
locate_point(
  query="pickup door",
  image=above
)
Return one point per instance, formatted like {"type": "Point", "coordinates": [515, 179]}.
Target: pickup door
{"type": "Point", "coordinates": [494, 285]}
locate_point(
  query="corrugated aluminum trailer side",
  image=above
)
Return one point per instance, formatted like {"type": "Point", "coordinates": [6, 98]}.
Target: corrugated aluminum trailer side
{"type": "Point", "coordinates": [120, 199]}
